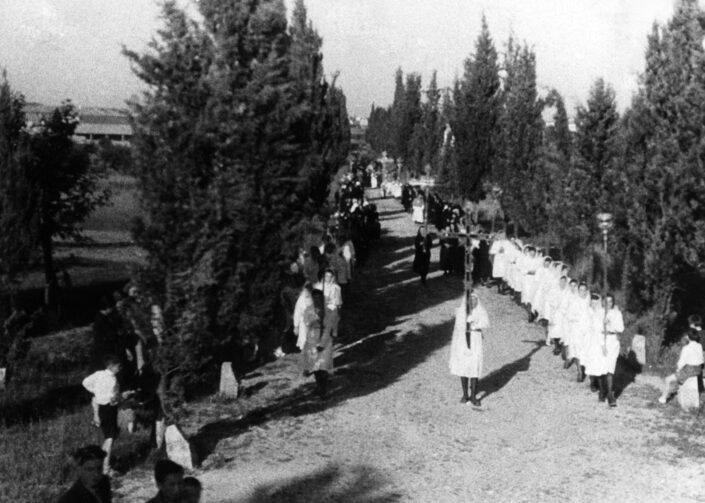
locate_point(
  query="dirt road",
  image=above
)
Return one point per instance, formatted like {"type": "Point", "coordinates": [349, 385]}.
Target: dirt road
{"type": "Point", "coordinates": [393, 429]}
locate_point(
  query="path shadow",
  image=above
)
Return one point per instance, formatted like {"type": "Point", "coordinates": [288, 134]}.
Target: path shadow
{"type": "Point", "coordinates": [361, 484]}
{"type": "Point", "coordinates": [47, 405]}
{"type": "Point", "coordinates": [372, 350]}
{"type": "Point", "coordinates": [498, 379]}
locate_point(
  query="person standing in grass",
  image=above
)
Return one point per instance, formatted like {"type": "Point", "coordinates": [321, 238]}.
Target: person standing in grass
{"type": "Point", "coordinates": [104, 387]}
{"type": "Point", "coordinates": [92, 486]}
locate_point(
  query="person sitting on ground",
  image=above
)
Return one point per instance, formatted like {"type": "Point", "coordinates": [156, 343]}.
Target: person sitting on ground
{"type": "Point", "coordinates": [192, 490]}
{"type": "Point", "coordinates": [92, 486]}
{"type": "Point", "coordinates": [104, 387]}
{"type": "Point", "coordinates": [169, 477]}
{"type": "Point", "coordinates": [690, 363]}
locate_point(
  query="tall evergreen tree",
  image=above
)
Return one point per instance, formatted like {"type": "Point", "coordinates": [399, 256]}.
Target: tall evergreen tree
{"type": "Point", "coordinates": [397, 119]}
{"type": "Point", "coordinates": [665, 149]}
{"type": "Point", "coordinates": [477, 102]}
{"type": "Point", "coordinates": [410, 132]}
{"type": "Point", "coordinates": [235, 141]}
{"type": "Point", "coordinates": [518, 170]}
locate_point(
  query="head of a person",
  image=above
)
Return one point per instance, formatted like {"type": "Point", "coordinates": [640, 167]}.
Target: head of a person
{"type": "Point", "coordinates": [421, 232]}
{"type": "Point", "coordinates": [583, 290]}
{"type": "Point", "coordinates": [329, 276]}
{"type": "Point", "coordinates": [609, 301]}
{"type": "Point", "coordinates": [329, 248]}
{"type": "Point", "coordinates": [169, 478]}
{"type": "Point", "coordinates": [695, 321]}
{"type": "Point", "coordinates": [573, 285]}
{"type": "Point", "coordinates": [192, 489]}
{"type": "Point", "coordinates": [547, 262]}
{"type": "Point", "coordinates": [565, 269]}
{"type": "Point", "coordinates": [89, 463]}
{"type": "Point", "coordinates": [595, 300]}
{"type": "Point", "coordinates": [134, 292]}
{"type": "Point", "coordinates": [112, 363]}
{"type": "Point", "coordinates": [563, 281]}
{"type": "Point", "coordinates": [532, 252]}
{"type": "Point", "coordinates": [474, 300]}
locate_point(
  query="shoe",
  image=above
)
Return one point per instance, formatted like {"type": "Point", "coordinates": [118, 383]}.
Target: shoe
{"type": "Point", "coordinates": [567, 364]}
{"type": "Point", "coordinates": [464, 400]}
{"type": "Point", "coordinates": [611, 400]}
{"type": "Point", "coordinates": [601, 397]}
{"type": "Point", "coordinates": [475, 402]}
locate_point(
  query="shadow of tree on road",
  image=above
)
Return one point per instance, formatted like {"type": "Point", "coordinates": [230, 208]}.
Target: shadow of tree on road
{"type": "Point", "coordinates": [360, 484]}
{"type": "Point", "coordinates": [498, 379]}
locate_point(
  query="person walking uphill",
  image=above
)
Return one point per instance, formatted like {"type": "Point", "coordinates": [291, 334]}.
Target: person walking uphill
{"type": "Point", "coordinates": [317, 353]}
{"type": "Point", "coordinates": [422, 254]}
{"type": "Point", "coordinates": [466, 356]}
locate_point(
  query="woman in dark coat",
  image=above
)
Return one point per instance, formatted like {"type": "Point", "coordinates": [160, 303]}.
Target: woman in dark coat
{"type": "Point", "coordinates": [422, 254]}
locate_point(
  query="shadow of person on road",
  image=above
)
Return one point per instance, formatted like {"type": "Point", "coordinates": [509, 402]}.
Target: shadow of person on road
{"type": "Point", "coordinates": [360, 484]}
{"type": "Point", "coordinates": [498, 379]}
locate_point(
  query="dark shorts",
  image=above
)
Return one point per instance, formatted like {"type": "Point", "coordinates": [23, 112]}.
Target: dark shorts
{"type": "Point", "coordinates": [108, 420]}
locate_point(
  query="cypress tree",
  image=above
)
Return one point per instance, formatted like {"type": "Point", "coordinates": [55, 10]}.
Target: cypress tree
{"type": "Point", "coordinates": [477, 108]}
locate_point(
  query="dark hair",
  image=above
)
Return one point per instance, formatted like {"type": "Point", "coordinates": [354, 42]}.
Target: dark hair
{"type": "Point", "coordinates": [563, 277]}
{"type": "Point", "coordinates": [695, 320]}
{"type": "Point", "coordinates": [547, 259]}
{"type": "Point", "coordinates": [192, 482]}
{"type": "Point", "coordinates": [110, 359]}
{"type": "Point", "coordinates": [594, 296]}
{"type": "Point", "coordinates": [88, 453]}
{"type": "Point", "coordinates": [573, 281]}
{"type": "Point", "coordinates": [582, 284]}
{"type": "Point", "coordinates": [329, 248]}
{"type": "Point", "coordinates": [165, 467]}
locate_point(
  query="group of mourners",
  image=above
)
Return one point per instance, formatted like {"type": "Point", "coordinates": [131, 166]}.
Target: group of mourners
{"type": "Point", "coordinates": [325, 273]}
{"type": "Point", "coordinates": [582, 326]}
{"type": "Point", "coordinates": [126, 333]}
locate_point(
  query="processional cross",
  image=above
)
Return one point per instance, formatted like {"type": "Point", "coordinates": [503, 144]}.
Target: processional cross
{"type": "Point", "coordinates": [467, 235]}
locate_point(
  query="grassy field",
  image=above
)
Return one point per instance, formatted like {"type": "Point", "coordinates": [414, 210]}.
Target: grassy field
{"type": "Point", "coordinates": [44, 412]}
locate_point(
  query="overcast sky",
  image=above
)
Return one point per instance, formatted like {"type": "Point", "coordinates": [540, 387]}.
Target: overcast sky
{"type": "Point", "coordinates": [56, 49]}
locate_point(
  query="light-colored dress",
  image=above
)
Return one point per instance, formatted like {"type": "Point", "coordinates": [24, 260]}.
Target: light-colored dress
{"type": "Point", "coordinates": [498, 250]}
{"type": "Point", "coordinates": [594, 358]}
{"type": "Point", "coordinates": [614, 325]}
{"type": "Point", "coordinates": [579, 324]}
{"type": "Point", "coordinates": [300, 327]}
{"type": "Point", "coordinates": [557, 299]}
{"type": "Point", "coordinates": [466, 362]}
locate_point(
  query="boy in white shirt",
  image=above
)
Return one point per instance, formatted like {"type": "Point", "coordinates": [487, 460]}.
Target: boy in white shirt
{"type": "Point", "coordinates": [690, 363]}
{"type": "Point", "coordinates": [104, 387]}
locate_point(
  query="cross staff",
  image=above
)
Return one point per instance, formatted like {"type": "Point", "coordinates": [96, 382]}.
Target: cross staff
{"type": "Point", "coordinates": [467, 281]}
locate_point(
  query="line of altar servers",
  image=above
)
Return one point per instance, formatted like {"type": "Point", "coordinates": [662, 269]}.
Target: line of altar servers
{"type": "Point", "coordinates": [582, 327]}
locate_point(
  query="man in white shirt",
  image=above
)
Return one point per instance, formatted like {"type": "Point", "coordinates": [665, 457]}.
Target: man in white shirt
{"type": "Point", "coordinates": [690, 363]}
{"type": "Point", "coordinates": [333, 302]}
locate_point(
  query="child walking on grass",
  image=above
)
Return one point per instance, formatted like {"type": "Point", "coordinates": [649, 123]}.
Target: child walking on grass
{"type": "Point", "coordinates": [104, 387]}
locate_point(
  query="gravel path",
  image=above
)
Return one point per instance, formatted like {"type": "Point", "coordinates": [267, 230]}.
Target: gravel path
{"type": "Point", "coordinates": [393, 429]}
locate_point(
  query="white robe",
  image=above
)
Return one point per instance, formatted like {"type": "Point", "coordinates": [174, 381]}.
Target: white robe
{"type": "Point", "coordinates": [555, 313]}
{"type": "Point", "coordinates": [300, 326]}
{"type": "Point", "coordinates": [614, 325]}
{"type": "Point", "coordinates": [578, 326]}
{"type": "Point", "coordinates": [466, 362]}
{"type": "Point", "coordinates": [528, 289]}
{"type": "Point", "coordinates": [500, 252]}
{"type": "Point", "coordinates": [544, 280]}
{"type": "Point", "coordinates": [594, 358]}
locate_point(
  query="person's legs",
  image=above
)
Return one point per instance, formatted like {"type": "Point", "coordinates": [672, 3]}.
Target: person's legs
{"type": "Point", "coordinates": [321, 382]}
{"type": "Point", "coordinates": [602, 381]}
{"type": "Point", "coordinates": [670, 388]}
{"type": "Point", "coordinates": [464, 384]}
{"type": "Point", "coordinates": [581, 370]}
{"type": "Point", "coordinates": [609, 378]}
{"type": "Point", "coordinates": [594, 383]}
{"type": "Point", "coordinates": [473, 391]}
{"type": "Point", "coordinates": [107, 447]}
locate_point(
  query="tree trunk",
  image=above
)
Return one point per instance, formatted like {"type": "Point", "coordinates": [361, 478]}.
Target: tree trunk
{"type": "Point", "coordinates": [51, 284]}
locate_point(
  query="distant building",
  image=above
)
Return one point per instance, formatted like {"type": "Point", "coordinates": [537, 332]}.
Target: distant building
{"type": "Point", "coordinates": [95, 123]}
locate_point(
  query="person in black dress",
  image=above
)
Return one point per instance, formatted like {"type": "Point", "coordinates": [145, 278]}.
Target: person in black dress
{"type": "Point", "coordinates": [422, 254]}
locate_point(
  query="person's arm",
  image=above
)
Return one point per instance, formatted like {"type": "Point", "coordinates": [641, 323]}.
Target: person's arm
{"type": "Point", "coordinates": [683, 357]}
{"type": "Point", "coordinates": [96, 416]}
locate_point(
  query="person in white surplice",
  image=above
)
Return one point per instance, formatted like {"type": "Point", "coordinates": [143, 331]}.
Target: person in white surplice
{"type": "Point", "coordinates": [466, 362]}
